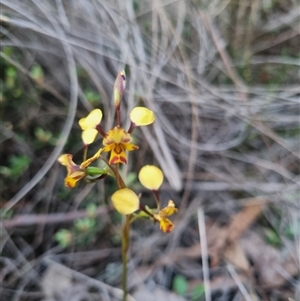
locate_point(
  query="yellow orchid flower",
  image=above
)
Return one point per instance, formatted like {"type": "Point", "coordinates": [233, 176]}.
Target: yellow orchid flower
{"type": "Point", "coordinates": [88, 126]}
{"type": "Point", "coordinates": [151, 177]}
{"type": "Point", "coordinates": [76, 172]}
{"type": "Point", "coordinates": [141, 116]}
{"type": "Point", "coordinates": [117, 141]}
{"type": "Point", "coordinates": [165, 224]}
{"type": "Point", "coordinates": [125, 201]}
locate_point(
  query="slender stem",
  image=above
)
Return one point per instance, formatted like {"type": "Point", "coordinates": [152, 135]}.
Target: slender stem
{"type": "Point", "coordinates": [142, 208]}
{"type": "Point", "coordinates": [120, 181]}
{"type": "Point", "coordinates": [100, 130]}
{"type": "Point", "coordinates": [156, 196]}
{"type": "Point", "coordinates": [131, 128]}
{"type": "Point", "coordinates": [118, 116]}
{"type": "Point", "coordinates": [85, 148]}
{"type": "Point", "coordinates": [115, 171]}
{"type": "Point", "coordinates": [125, 246]}
{"type": "Point", "coordinates": [125, 235]}
{"type": "Point", "coordinates": [109, 166]}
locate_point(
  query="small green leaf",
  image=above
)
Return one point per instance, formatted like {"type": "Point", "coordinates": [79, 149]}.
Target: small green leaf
{"type": "Point", "coordinates": [198, 292]}
{"type": "Point", "coordinates": [37, 72]}
{"type": "Point", "coordinates": [96, 171]}
{"type": "Point", "coordinates": [293, 230]}
{"type": "Point", "coordinates": [180, 285]}
{"type": "Point", "coordinates": [272, 237]}
{"type": "Point", "coordinates": [63, 237]}
{"type": "Point", "coordinates": [92, 96]}
{"type": "Point", "coordinates": [42, 135]}
{"type": "Point", "coordinates": [11, 76]}
{"type": "Point", "coordinates": [11, 72]}
{"type": "Point", "coordinates": [7, 50]}
{"type": "Point", "coordinates": [91, 210]}
{"type": "Point", "coordinates": [17, 165]}
{"type": "Point", "coordinates": [5, 171]}
{"type": "Point", "coordinates": [85, 224]}
{"type": "Point", "coordinates": [6, 215]}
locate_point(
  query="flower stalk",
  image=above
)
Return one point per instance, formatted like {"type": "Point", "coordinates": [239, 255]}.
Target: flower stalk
{"type": "Point", "coordinates": [125, 247]}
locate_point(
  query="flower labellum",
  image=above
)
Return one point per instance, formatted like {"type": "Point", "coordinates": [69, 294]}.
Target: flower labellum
{"type": "Point", "coordinates": [117, 142]}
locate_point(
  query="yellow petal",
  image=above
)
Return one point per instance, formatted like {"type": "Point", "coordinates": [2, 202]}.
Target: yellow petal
{"type": "Point", "coordinates": [91, 121]}
{"type": "Point", "coordinates": [166, 225]}
{"type": "Point", "coordinates": [87, 162]}
{"type": "Point", "coordinates": [88, 136]}
{"type": "Point", "coordinates": [72, 178]}
{"type": "Point", "coordinates": [108, 148]}
{"type": "Point", "coordinates": [118, 155]}
{"type": "Point", "coordinates": [169, 210]}
{"type": "Point", "coordinates": [117, 135]}
{"type": "Point", "coordinates": [151, 177]}
{"type": "Point", "coordinates": [130, 146]}
{"type": "Point", "coordinates": [125, 201]}
{"type": "Point", "coordinates": [142, 116]}
{"type": "Point", "coordinates": [64, 159]}
{"type": "Point", "coordinates": [70, 182]}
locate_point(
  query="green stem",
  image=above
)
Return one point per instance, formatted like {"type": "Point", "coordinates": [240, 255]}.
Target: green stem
{"type": "Point", "coordinates": [119, 179]}
{"type": "Point", "coordinates": [125, 235]}
{"type": "Point", "coordinates": [85, 148]}
{"type": "Point", "coordinates": [131, 128]}
{"type": "Point", "coordinates": [118, 116]}
{"type": "Point", "coordinates": [142, 208]}
{"type": "Point", "coordinates": [156, 196]}
{"type": "Point", "coordinates": [125, 246]}
{"type": "Point", "coordinates": [101, 131]}
{"type": "Point", "coordinates": [113, 170]}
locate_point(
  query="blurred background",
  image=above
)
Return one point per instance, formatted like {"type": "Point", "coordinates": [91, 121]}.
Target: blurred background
{"type": "Point", "coordinates": [222, 77]}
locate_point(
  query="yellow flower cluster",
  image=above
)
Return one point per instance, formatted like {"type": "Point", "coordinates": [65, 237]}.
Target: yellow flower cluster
{"type": "Point", "coordinates": [126, 201]}
{"type": "Point", "coordinates": [117, 141]}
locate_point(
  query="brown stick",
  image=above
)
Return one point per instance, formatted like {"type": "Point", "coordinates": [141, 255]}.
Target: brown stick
{"type": "Point", "coordinates": [54, 218]}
